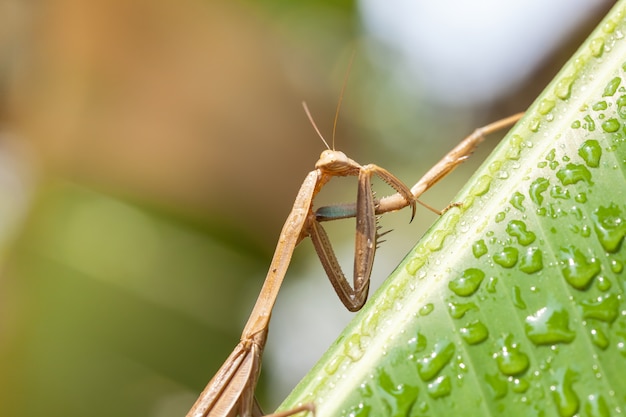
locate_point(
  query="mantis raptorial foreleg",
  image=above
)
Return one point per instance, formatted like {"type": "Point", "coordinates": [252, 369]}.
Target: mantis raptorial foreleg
{"type": "Point", "coordinates": [447, 164]}
{"type": "Point", "coordinates": [332, 164]}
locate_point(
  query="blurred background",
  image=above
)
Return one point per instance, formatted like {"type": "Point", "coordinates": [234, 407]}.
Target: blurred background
{"type": "Point", "coordinates": [150, 152]}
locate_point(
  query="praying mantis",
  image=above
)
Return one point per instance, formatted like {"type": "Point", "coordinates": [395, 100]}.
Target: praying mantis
{"type": "Point", "coordinates": [231, 391]}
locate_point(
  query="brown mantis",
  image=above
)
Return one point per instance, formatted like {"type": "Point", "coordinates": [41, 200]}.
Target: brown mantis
{"type": "Point", "coordinates": [231, 391]}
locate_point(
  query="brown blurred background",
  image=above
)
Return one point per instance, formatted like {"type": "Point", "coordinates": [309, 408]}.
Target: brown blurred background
{"type": "Point", "coordinates": [149, 153]}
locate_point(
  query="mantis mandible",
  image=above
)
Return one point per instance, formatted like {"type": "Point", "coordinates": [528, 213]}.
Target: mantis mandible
{"type": "Point", "coordinates": [231, 391]}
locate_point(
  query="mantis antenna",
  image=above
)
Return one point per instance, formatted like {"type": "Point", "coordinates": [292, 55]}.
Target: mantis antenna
{"type": "Point", "coordinates": [343, 89]}
{"type": "Point", "coordinates": [308, 114]}
{"type": "Point", "coordinates": [341, 94]}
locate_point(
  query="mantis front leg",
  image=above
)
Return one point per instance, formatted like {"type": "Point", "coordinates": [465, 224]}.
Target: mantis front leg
{"type": "Point", "coordinates": [354, 296]}
{"type": "Point", "coordinates": [447, 164]}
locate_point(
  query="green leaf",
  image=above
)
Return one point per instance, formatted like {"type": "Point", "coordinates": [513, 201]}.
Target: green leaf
{"type": "Point", "coordinates": [512, 304]}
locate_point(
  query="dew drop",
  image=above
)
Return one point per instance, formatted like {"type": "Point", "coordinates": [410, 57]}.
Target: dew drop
{"type": "Point", "coordinates": [576, 268]}
{"type": "Point", "coordinates": [495, 167]}
{"type": "Point", "coordinates": [585, 231]}
{"type": "Point", "coordinates": [534, 124]}
{"type": "Point", "coordinates": [517, 229]}
{"type": "Point", "coordinates": [510, 360]}
{"type": "Point", "coordinates": [514, 150]}
{"type": "Point", "coordinates": [546, 106]}
{"type": "Point", "coordinates": [537, 187]}
{"type": "Point", "coordinates": [599, 338]}
{"type": "Point", "coordinates": [491, 284]}
{"type": "Point", "coordinates": [389, 299]}
{"type": "Point", "coordinates": [611, 125]}
{"type": "Point", "coordinates": [517, 299]}
{"type": "Point", "coordinates": [621, 106]}
{"type": "Point", "coordinates": [548, 326]}
{"type": "Point", "coordinates": [507, 257]}
{"type": "Point", "coordinates": [435, 240]}
{"type": "Point", "coordinates": [517, 201]}
{"type": "Point", "coordinates": [418, 343]}
{"type": "Point", "coordinates": [565, 397]}
{"type": "Point", "coordinates": [611, 87]}
{"type": "Point", "coordinates": [370, 323]}
{"type": "Point", "coordinates": [426, 309]}
{"type": "Point", "coordinates": [468, 283]}
{"type": "Point", "coordinates": [605, 308]}
{"type": "Point", "coordinates": [352, 347]}
{"type": "Point", "coordinates": [458, 310]}
{"type": "Point", "coordinates": [520, 385]}
{"type": "Point", "coordinates": [333, 365]}
{"type": "Point", "coordinates": [603, 284]}
{"type": "Point", "coordinates": [481, 186]}
{"type": "Point", "coordinates": [600, 105]}
{"type": "Point", "coordinates": [400, 397]}
{"type": "Point", "coordinates": [573, 173]}
{"type": "Point", "coordinates": [590, 125]}
{"type": "Point", "coordinates": [581, 198]}
{"type": "Point", "coordinates": [559, 192]}
{"type": "Point", "coordinates": [577, 213]}
{"type": "Point", "coordinates": [564, 87]}
{"type": "Point", "coordinates": [440, 387]}
{"type": "Point", "coordinates": [610, 226]}
{"type": "Point", "coordinates": [609, 27]}
{"type": "Point", "coordinates": [597, 47]}
{"type": "Point", "coordinates": [474, 333]}
{"type": "Point", "coordinates": [616, 266]}
{"type": "Point", "coordinates": [415, 264]}
{"type": "Point", "coordinates": [479, 248]}
{"type": "Point", "coordinates": [429, 366]}
{"type": "Point", "coordinates": [531, 260]}
{"type": "Point", "coordinates": [359, 410]}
